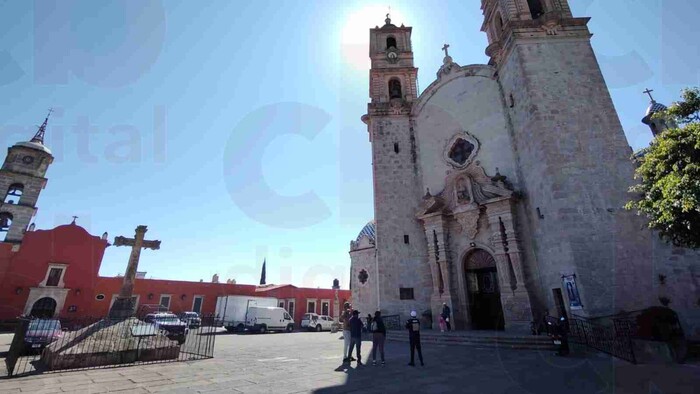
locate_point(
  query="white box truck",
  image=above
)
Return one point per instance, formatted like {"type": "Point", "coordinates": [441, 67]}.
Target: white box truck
{"type": "Point", "coordinates": [232, 310]}
{"type": "Point", "coordinates": [268, 318]}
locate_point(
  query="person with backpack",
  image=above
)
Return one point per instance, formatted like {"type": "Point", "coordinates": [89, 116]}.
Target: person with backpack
{"type": "Point", "coordinates": [378, 337]}
{"type": "Point", "coordinates": [413, 327]}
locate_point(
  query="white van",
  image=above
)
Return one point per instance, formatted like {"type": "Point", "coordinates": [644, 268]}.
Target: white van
{"type": "Point", "coordinates": [268, 318]}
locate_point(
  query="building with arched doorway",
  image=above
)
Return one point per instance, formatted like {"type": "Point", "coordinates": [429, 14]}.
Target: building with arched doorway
{"type": "Point", "coordinates": [499, 189]}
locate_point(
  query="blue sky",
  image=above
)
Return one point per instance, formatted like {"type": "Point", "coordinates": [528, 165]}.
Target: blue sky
{"type": "Point", "coordinates": [232, 129]}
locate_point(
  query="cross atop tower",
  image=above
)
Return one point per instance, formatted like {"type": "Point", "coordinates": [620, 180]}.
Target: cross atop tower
{"type": "Point", "coordinates": [444, 48]}
{"type": "Point", "coordinates": [648, 91]}
{"type": "Point", "coordinates": [39, 136]}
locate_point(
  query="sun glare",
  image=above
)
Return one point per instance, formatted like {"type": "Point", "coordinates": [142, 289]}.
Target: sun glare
{"type": "Point", "coordinates": [355, 33]}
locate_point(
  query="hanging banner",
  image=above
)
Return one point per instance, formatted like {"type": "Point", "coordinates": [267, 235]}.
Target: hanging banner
{"type": "Point", "coordinates": [572, 292]}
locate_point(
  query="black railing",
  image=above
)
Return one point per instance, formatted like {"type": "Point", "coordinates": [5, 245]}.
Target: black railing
{"type": "Point", "coordinates": [611, 339]}
{"type": "Point", "coordinates": [392, 322]}
{"type": "Point", "coordinates": [45, 345]}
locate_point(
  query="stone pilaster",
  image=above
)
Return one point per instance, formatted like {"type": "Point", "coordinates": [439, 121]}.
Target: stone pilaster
{"type": "Point", "coordinates": [437, 235]}
{"type": "Point", "coordinates": [515, 300]}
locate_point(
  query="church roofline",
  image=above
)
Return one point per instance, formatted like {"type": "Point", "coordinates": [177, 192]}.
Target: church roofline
{"type": "Point", "coordinates": [472, 70]}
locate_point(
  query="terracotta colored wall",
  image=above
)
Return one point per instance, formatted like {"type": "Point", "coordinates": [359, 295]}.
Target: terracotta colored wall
{"type": "Point", "coordinates": [26, 268]}
{"type": "Point", "coordinates": [301, 295]}
{"type": "Point", "coordinates": [72, 245]}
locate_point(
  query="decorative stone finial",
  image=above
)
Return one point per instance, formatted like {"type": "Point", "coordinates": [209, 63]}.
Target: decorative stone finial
{"type": "Point", "coordinates": [427, 193]}
{"type": "Point", "coordinates": [498, 178]}
{"type": "Point", "coordinates": [387, 20]}
{"type": "Point", "coordinates": [448, 65]}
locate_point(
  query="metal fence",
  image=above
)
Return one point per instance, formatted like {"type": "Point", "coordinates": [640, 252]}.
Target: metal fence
{"type": "Point", "coordinates": [613, 339]}
{"type": "Point", "coordinates": [392, 322]}
{"type": "Point", "coordinates": [46, 345]}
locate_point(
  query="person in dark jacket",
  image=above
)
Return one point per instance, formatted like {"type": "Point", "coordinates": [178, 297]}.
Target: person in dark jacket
{"type": "Point", "coordinates": [413, 327]}
{"type": "Point", "coordinates": [355, 335]}
{"type": "Point", "coordinates": [378, 336]}
{"type": "Point", "coordinates": [446, 312]}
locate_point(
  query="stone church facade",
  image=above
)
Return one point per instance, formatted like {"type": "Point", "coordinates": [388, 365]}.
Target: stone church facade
{"type": "Point", "coordinates": [499, 189]}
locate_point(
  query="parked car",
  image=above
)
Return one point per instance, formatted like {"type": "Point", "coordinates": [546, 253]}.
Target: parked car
{"type": "Point", "coordinates": [263, 319]}
{"type": "Point", "coordinates": [174, 328]}
{"type": "Point", "coordinates": [192, 319]}
{"type": "Point", "coordinates": [314, 322]}
{"type": "Point", "coordinates": [42, 332]}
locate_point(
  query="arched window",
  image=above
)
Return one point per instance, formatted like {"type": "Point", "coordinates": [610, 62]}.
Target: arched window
{"type": "Point", "coordinates": [14, 193]}
{"type": "Point", "coordinates": [395, 89]}
{"type": "Point", "coordinates": [5, 221]}
{"type": "Point", "coordinates": [498, 21]}
{"type": "Point", "coordinates": [390, 42]}
{"type": "Point", "coordinates": [536, 8]}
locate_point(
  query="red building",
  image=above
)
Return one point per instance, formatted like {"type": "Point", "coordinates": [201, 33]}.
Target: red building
{"type": "Point", "coordinates": [55, 273]}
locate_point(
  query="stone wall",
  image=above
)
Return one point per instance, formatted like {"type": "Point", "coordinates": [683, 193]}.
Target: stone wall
{"type": "Point", "coordinates": [397, 193]}
{"type": "Point", "coordinates": [576, 168]}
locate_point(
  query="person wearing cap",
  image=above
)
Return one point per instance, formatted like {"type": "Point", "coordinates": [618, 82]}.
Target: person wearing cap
{"type": "Point", "coordinates": [413, 327]}
{"type": "Point", "coordinates": [345, 320]}
{"type": "Point", "coordinates": [355, 336]}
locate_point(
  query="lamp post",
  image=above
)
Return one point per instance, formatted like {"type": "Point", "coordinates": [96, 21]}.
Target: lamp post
{"type": "Point", "coordinates": [336, 305]}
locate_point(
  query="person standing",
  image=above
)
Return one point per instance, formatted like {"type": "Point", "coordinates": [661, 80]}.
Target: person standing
{"type": "Point", "coordinates": [345, 320]}
{"type": "Point", "coordinates": [356, 336]}
{"type": "Point", "coordinates": [446, 315]}
{"type": "Point", "coordinates": [441, 322]}
{"type": "Point", "coordinates": [413, 327]}
{"type": "Point", "coordinates": [378, 337]}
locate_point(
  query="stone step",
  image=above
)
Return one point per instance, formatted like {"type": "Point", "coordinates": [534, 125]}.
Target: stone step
{"type": "Point", "coordinates": [478, 340]}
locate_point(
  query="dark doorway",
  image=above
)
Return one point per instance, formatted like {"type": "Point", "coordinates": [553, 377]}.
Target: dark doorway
{"type": "Point", "coordinates": [559, 302]}
{"type": "Point", "coordinates": [44, 308]}
{"type": "Point", "coordinates": [485, 307]}
{"type": "Point", "coordinates": [485, 299]}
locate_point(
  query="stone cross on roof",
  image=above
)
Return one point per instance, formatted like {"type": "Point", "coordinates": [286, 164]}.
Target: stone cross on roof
{"type": "Point", "coordinates": [444, 48]}
{"type": "Point", "coordinates": [648, 91]}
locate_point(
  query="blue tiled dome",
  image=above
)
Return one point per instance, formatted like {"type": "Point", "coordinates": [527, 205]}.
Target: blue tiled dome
{"type": "Point", "coordinates": [369, 230]}
{"type": "Point", "coordinates": [655, 107]}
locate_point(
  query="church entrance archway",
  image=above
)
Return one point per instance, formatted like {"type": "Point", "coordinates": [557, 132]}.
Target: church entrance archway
{"type": "Point", "coordinates": [44, 308]}
{"type": "Point", "coordinates": [483, 291]}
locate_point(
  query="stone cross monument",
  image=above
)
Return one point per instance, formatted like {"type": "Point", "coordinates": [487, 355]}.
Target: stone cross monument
{"type": "Point", "coordinates": [124, 306]}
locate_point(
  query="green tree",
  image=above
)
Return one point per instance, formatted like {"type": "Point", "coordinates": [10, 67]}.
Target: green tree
{"type": "Point", "coordinates": [669, 175]}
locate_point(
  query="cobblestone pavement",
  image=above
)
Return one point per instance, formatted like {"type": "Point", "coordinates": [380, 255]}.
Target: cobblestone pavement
{"type": "Point", "coordinates": [311, 362]}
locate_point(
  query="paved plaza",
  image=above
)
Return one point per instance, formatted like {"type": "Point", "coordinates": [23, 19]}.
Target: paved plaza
{"type": "Point", "coordinates": [311, 362]}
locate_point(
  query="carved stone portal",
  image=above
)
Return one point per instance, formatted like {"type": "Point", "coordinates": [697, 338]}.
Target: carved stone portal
{"type": "Point", "coordinates": [468, 221]}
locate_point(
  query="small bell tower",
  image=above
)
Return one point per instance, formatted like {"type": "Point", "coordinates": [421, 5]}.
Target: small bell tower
{"type": "Point", "coordinates": [392, 76]}
{"type": "Point", "coordinates": [21, 181]}
{"type": "Point", "coordinates": [656, 124]}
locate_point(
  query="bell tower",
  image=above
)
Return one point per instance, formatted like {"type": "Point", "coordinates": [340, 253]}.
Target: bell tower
{"type": "Point", "coordinates": [21, 181]}
{"type": "Point", "coordinates": [573, 156]}
{"type": "Point", "coordinates": [402, 279]}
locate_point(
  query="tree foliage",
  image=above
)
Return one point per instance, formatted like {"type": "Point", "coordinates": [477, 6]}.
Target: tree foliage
{"type": "Point", "coordinates": [669, 175]}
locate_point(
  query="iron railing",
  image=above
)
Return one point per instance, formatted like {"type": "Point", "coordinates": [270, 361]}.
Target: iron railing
{"type": "Point", "coordinates": [392, 322]}
{"type": "Point", "coordinates": [46, 345]}
{"type": "Point", "coordinates": [611, 339]}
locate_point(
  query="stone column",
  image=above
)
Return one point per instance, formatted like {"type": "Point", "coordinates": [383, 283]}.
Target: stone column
{"type": "Point", "coordinates": [515, 301]}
